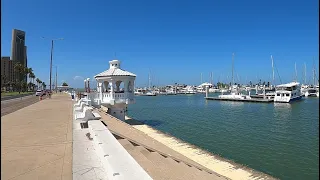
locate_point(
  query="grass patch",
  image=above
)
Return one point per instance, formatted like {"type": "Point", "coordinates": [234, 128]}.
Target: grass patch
{"type": "Point", "coordinates": [3, 94]}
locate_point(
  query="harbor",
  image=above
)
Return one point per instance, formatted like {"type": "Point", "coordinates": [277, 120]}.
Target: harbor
{"type": "Point", "coordinates": [280, 139]}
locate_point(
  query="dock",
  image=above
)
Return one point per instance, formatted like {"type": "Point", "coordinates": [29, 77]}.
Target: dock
{"type": "Point", "coordinates": [258, 100]}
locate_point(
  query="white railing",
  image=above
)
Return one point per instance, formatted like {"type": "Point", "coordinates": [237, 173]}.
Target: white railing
{"type": "Point", "coordinates": [126, 97]}
{"type": "Point", "coordinates": [119, 164]}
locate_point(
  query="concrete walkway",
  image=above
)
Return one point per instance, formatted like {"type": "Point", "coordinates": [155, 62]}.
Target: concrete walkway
{"type": "Point", "coordinates": [36, 141]}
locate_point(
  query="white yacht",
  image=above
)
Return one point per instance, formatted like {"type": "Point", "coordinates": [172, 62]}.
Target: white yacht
{"type": "Point", "coordinates": [188, 90]}
{"type": "Point", "coordinates": [214, 90]}
{"type": "Point", "coordinates": [304, 89]}
{"type": "Point", "coordinates": [311, 92]}
{"type": "Point", "coordinates": [288, 92]}
{"type": "Point", "coordinates": [138, 91]}
{"type": "Point", "coordinates": [235, 94]}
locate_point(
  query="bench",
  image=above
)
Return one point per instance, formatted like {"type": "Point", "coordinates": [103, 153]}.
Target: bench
{"type": "Point", "coordinates": [80, 108]}
{"type": "Point", "coordinates": [78, 103]}
{"type": "Point", "coordinates": [86, 115]}
{"type": "Point", "coordinates": [96, 115]}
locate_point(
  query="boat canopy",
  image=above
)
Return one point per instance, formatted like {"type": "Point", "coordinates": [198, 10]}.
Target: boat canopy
{"type": "Point", "coordinates": [292, 84]}
{"type": "Point", "coordinates": [205, 84]}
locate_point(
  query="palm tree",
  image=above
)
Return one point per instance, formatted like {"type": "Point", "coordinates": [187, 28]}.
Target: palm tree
{"type": "Point", "coordinates": [38, 81]}
{"type": "Point", "coordinates": [44, 85]}
{"type": "Point", "coordinates": [20, 70]}
{"type": "Point", "coordinates": [30, 72]}
{"type": "Point", "coordinates": [32, 76]}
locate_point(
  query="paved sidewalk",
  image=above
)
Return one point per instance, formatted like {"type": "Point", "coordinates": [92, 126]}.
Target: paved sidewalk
{"type": "Point", "coordinates": [36, 141]}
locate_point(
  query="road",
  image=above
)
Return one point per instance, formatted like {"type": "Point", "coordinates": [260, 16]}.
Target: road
{"type": "Point", "coordinates": [9, 106]}
{"type": "Point", "coordinates": [16, 96]}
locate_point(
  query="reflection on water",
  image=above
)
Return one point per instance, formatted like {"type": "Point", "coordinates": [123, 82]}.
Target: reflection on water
{"type": "Point", "coordinates": [283, 105]}
{"type": "Point", "coordinates": [232, 103]}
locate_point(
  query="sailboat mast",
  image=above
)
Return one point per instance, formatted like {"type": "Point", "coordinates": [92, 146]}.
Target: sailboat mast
{"type": "Point", "coordinates": [272, 70]}
{"type": "Point", "coordinates": [305, 73]}
{"type": "Point", "coordinates": [314, 73]}
{"type": "Point", "coordinates": [295, 69]}
{"type": "Point", "coordinates": [232, 68]}
{"type": "Point", "coordinates": [149, 80]}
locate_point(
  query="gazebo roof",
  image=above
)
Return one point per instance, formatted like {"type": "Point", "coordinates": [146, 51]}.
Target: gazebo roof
{"type": "Point", "coordinates": [114, 70]}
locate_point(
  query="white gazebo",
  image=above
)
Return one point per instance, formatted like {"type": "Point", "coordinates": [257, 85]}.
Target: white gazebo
{"type": "Point", "coordinates": [115, 89]}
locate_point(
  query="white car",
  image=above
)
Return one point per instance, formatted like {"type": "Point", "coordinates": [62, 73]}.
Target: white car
{"type": "Point", "coordinates": [38, 93]}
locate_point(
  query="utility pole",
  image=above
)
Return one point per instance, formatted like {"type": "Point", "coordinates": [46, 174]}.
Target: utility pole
{"type": "Point", "coordinates": [56, 79]}
{"type": "Point", "coordinates": [51, 63]}
{"type": "Point", "coordinates": [51, 56]}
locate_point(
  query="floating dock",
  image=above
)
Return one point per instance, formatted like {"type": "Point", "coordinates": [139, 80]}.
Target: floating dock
{"type": "Point", "coordinates": [258, 100]}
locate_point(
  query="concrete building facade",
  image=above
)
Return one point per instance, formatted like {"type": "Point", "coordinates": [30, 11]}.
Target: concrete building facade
{"type": "Point", "coordinates": [7, 74]}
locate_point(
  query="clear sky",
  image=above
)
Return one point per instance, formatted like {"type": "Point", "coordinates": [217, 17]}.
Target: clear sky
{"type": "Point", "coordinates": [175, 39]}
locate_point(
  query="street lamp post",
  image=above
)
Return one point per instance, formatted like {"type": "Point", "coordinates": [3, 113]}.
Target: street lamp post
{"type": "Point", "coordinates": [85, 85]}
{"type": "Point", "coordinates": [51, 59]}
{"type": "Point", "coordinates": [56, 80]}
{"type": "Point", "coordinates": [88, 80]}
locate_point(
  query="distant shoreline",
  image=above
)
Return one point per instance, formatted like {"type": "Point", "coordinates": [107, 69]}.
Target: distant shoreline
{"type": "Point", "coordinates": [214, 162]}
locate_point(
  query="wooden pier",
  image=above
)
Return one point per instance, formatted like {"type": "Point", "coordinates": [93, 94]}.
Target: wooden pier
{"type": "Point", "coordinates": [258, 100]}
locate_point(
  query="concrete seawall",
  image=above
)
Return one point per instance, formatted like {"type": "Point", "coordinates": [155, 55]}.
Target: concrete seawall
{"type": "Point", "coordinates": [213, 162]}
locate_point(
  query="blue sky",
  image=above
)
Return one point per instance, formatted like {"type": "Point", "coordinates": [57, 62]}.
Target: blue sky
{"type": "Point", "coordinates": [175, 39]}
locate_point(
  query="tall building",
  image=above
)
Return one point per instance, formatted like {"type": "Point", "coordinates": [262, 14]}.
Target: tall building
{"type": "Point", "coordinates": [7, 74]}
{"type": "Point", "coordinates": [18, 49]}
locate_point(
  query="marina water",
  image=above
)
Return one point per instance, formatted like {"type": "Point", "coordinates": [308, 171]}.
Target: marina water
{"type": "Point", "coordinates": [278, 139]}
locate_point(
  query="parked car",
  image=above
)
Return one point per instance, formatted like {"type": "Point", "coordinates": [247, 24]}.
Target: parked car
{"type": "Point", "coordinates": [39, 93]}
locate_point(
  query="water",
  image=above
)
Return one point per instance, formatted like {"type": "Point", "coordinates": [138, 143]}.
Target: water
{"type": "Point", "coordinates": [278, 139]}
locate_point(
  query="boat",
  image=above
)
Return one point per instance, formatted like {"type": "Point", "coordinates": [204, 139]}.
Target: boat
{"type": "Point", "coordinates": [287, 93]}
{"type": "Point", "coordinates": [214, 90]}
{"type": "Point", "coordinates": [235, 94]}
{"type": "Point", "coordinates": [312, 92]}
{"type": "Point", "coordinates": [138, 91]}
{"type": "Point", "coordinates": [235, 90]}
{"type": "Point", "coordinates": [144, 92]}
{"type": "Point", "coordinates": [188, 90]}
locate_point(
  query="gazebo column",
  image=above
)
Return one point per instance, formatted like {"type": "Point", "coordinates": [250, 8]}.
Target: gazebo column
{"type": "Point", "coordinates": [126, 89]}
{"type": "Point", "coordinates": [112, 88]}
{"type": "Point", "coordinates": [100, 90]}
{"type": "Point", "coordinates": [118, 86]}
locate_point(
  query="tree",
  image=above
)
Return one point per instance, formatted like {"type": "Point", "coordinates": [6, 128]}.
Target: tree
{"type": "Point", "coordinates": [64, 84]}
{"type": "Point", "coordinates": [19, 69]}
{"type": "Point", "coordinates": [30, 84]}
{"type": "Point", "coordinates": [264, 83]}
{"type": "Point", "coordinates": [38, 82]}
{"type": "Point", "coordinates": [44, 85]}
{"type": "Point", "coordinates": [268, 84]}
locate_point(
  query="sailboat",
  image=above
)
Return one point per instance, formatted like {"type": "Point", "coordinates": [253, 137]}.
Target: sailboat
{"type": "Point", "coordinates": [146, 91]}
{"type": "Point", "coordinates": [313, 91]}
{"type": "Point", "coordinates": [235, 91]}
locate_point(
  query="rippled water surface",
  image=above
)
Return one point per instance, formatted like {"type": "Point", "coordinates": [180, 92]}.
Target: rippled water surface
{"type": "Point", "coordinates": [278, 139]}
